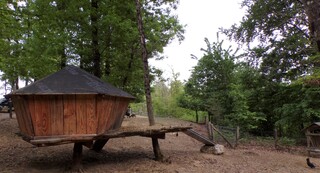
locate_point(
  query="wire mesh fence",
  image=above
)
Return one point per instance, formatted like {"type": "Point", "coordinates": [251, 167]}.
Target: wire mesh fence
{"type": "Point", "coordinates": [224, 135]}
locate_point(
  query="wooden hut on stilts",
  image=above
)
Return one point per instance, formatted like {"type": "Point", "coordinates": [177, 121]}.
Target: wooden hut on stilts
{"type": "Point", "coordinates": [73, 106]}
{"type": "Point", "coordinates": [69, 106]}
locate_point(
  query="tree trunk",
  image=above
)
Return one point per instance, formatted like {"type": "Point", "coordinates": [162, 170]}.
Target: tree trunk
{"type": "Point", "coordinates": [155, 143]}
{"type": "Point", "coordinates": [63, 61]}
{"type": "Point", "coordinates": [107, 65]}
{"type": "Point", "coordinates": [312, 8]}
{"type": "Point", "coordinates": [129, 69]}
{"type": "Point", "coordinates": [145, 64]}
{"type": "Point", "coordinates": [15, 84]}
{"type": "Point", "coordinates": [95, 39]}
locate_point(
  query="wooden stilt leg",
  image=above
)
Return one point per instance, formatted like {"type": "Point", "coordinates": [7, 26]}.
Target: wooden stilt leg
{"type": "Point", "coordinates": [99, 144]}
{"type": "Point", "coordinates": [156, 149]}
{"type": "Point", "coordinates": [77, 157]}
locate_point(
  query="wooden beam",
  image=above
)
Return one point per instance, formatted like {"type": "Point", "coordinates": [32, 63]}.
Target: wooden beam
{"type": "Point", "coordinates": [99, 144]}
{"type": "Point", "coordinates": [151, 131]}
{"type": "Point", "coordinates": [77, 157]}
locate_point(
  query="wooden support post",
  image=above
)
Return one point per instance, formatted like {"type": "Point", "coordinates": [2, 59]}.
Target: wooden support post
{"type": "Point", "coordinates": [10, 108]}
{"type": "Point", "coordinates": [237, 135]}
{"type": "Point", "coordinates": [99, 144]}
{"type": "Point", "coordinates": [275, 138]}
{"type": "Point", "coordinates": [206, 119]}
{"type": "Point", "coordinates": [308, 142]}
{"type": "Point", "coordinates": [77, 157]}
{"type": "Point", "coordinates": [210, 131]}
{"type": "Point", "coordinates": [156, 149]}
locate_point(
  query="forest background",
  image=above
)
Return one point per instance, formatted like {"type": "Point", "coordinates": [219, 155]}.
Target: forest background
{"type": "Point", "coordinates": [273, 83]}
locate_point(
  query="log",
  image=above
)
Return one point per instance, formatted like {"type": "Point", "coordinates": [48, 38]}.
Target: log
{"type": "Point", "coordinates": [149, 132]}
{"type": "Point", "coordinates": [57, 140]}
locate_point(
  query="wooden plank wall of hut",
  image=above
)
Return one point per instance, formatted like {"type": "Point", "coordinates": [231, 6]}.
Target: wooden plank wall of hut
{"type": "Point", "coordinates": [42, 116]}
{"type": "Point", "coordinates": [69, 116]}
{"type": "Point", "coordinates": [69, 112]}
{"type": "Point", "coordinates": [122, 105]}
{"type": "Point", "coordinates": [57, 115]}
{"type": "Point", "coordinates": [105, 106]}
{"type": "Point", "coordinates": [91, 118]}
{"type": "Point", "coordinates": [81, 114]}
{"type": "Point", "coordinates": [113, 114]}
{"type": "Point", "coordinates": [24, 120]}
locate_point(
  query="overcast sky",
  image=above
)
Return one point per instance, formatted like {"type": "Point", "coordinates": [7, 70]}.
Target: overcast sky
{"type": "Point", "coordinates": [203, 19]}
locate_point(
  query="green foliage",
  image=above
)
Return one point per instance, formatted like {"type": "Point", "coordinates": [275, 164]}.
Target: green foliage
{"type": "Point", "coordinates": [223, 88]}
{"type": "Point", "coordinates": [210, 79]}
{"type": "Point", "coordinates": [282, 38]}
{"type": "Point", "coordinates": [242, 92]}
{"type": "Point", "coordinates": [40, 37]}
{"type": "Point", "coordinates": [300, 107]}
{"type": "Point", "coordinates": [165, 98]}
{"type": "Point", "coordinates": [284, 88]}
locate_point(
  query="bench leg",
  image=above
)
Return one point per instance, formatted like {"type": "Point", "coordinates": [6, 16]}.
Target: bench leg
{"type": "Point", "coordinates": [156, 149]}
{"type": "Point", "coordinates": [77, 157]}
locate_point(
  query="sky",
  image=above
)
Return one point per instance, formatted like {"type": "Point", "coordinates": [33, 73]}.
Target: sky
{"type": "Point", "coordinates": [203, 19]}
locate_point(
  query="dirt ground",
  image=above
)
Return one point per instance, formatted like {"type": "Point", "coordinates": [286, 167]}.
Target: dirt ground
{"type": "Point", "coordinates": [135, 154]}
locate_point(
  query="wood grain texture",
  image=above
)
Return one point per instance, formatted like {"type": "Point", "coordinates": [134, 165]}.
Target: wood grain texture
{"type": "Point", "coordinates": [69, 114]}
{"type": "Point", "coordinates": [81, 114]}
{"type": "Point", "coordinates": [92, 119]}
{"type": "Point", "coordinates": [104, 110]}
{"type": "Point", "coordinates": [56, 114]}
{"type": "Point", "coordinates": [27, 116]}
{"type": "Point", "coordinates": [23, 115]}
{"type": "Point", "coordinates": [121, 110]}
{"type": "Point", "coordinates": [32, 108]}
{"type": "Point", "coordinates": [17, 101]}
{"type": "Point", "coordinates": [43, 124]}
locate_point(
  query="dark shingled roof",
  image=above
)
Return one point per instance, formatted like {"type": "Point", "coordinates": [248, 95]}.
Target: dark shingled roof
{"type": "Point", "coordinates": [71, 80]}
{"type": "Point", "coordinates": [313, 126]}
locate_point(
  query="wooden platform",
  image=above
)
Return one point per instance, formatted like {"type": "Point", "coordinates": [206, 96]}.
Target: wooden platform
{"type": "Point", "coordinates": [137, 126]}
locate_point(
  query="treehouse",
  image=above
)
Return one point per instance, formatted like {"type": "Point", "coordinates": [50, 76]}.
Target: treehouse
{"type": "Point", "coordinates": [313, 137]}
{"type": "Point", "coordinates": [68, 106]}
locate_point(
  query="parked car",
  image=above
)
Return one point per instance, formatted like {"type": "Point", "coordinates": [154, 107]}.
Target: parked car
{"type": "Point", "coordinates": [5, 105]}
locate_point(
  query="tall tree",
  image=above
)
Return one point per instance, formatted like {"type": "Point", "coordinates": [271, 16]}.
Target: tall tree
{"type": "Point", "coordinates": [144, 56]}
{"type": "Point", "coordinates": [211, 78]}
{"type": "Point", "coordinates": [144, 52]}
{"type": "Point", "coordinates": [280, 29]}
{"type": "Point", "coordinates": [94, 19]}
{"type": "Point", "coordinates": [312, 9]}
{"type": "Point", "coordinates": [287, 56]}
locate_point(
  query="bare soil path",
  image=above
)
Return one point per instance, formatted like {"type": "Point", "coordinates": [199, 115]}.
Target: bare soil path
{"type": "Point", "coordinates": [134, 154]}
